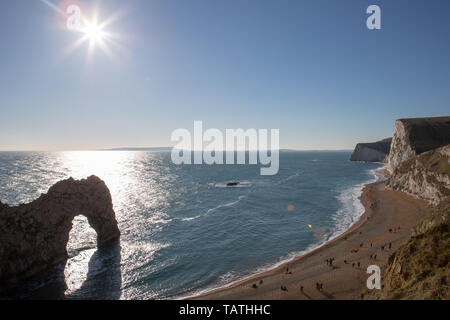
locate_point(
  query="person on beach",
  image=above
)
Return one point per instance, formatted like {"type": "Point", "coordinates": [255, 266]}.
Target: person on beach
{"type": "Point", "coordinates": [353, 265]}
{"type": "Point", "coordinates": [359, 264]}
{"type": "Point", "coordinates": [301, 288]}
{"type": "Point", "coordinates": [390, 245]}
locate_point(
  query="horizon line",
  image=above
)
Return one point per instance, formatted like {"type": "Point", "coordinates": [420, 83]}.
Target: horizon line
{"type": "Point", "coordinates": [166, 149]}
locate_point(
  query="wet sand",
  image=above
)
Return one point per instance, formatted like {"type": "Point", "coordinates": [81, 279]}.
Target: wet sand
{"type": "Point", "coordinates": [385, 209]}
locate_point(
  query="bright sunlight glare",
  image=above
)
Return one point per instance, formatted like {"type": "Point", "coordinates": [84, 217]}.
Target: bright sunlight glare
{"type": "Point", "coordinates": [94, 32]}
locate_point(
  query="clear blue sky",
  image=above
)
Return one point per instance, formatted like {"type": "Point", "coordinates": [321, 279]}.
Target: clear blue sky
{"type": "Point", "coordinates": [310, 68]}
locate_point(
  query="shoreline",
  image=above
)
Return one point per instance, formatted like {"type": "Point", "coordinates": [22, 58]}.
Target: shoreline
{"type": "Point", "coordinates": [381, 208]}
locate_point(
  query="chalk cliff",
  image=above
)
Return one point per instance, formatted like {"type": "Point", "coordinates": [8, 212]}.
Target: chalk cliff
{"type": "Point", "coordinates": [419, 158]}
{"type": "Point", "coordinates": [419, 164]}
{"type": "Point", "coordinates": [416, 136]}
{"type": "Point", "coordinates": [34, 236]}
{"type": "Point", "coordinates": [372, 152]}
{"type": "Point", "coordinates": [426, 176]}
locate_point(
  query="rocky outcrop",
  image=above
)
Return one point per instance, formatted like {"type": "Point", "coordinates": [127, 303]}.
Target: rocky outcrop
{"type": "Point", "coordinates": [34, 236]}
{"type": "Point", "coordinates": [416, 136]}
{"type": "Point", "coordinates": [426, 176]}
{"type": "Point", "coordinates": [372, 152]}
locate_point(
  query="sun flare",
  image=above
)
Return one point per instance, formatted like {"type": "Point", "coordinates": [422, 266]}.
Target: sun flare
{"type": "Point", "coordinates": [94, 32]}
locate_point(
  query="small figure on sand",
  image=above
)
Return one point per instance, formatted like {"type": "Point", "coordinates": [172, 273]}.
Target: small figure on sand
{"type": "Point", "coordinates": [254, 286]}
{"type": "Point", "coordinates": [330, 262]}
{"type": "Point", "coordinates": [390, 245]}
{"type": "Point", "coordinates": [283, 288]}
{"type": "Point", "coordinates": [301, 288]}
{"type": "Point", "coordinates": [359, 264]}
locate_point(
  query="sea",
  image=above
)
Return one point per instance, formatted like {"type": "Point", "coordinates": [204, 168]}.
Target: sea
{"type": "Point", "coordinates": [183, 230]}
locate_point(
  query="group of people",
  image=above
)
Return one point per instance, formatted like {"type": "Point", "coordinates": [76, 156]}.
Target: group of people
{"type": "Point", "coordinates": [319, 286]}
{"type": "Point", "coordinates": [329, 261]}
{"type": "Point", "coordinates": [395, 229]}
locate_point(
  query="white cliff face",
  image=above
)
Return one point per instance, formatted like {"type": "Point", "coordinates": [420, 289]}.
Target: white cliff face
{"type": "Point", "coordinates": [401, 149]}
{"type": "Point", "coordinates": [372, 152]}
{"type": "Point", "coordinates": [363, 153]}
{"type": "Point", "coordinates": [426, 176]}
{"type": "Point", "coordinates": [419, 158]}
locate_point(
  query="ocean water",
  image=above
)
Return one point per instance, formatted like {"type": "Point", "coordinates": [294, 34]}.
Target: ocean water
{"type": "Point", "coordinates": [183, 230]}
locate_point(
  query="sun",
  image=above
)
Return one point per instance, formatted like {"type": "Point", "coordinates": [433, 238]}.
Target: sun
{"type": "Point", "coordinates": [94, 32]}
{"type": "Point", "coordinates": [97, 35]}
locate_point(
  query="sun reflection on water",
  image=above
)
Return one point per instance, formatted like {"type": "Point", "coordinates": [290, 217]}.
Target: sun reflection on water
{"type": "Point", "coordinates": [112, 167]}
{"type": "Point", "coordinates": [139, 200]}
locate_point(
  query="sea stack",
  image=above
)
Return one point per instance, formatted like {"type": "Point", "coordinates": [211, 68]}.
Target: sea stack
{"type": "Point", "coordinates": [34, 236]}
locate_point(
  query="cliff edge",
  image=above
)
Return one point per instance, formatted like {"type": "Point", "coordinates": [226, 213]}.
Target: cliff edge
{"type": "Point", "coordinates": [416, 136]}
{"type": "Point", "coordinates": [34, 236]}
{"type": "Point", "coordinates": [372, 152]}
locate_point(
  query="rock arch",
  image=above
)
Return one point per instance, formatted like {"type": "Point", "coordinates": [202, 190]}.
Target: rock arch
{"type": "Point", "coordinates": [34, 236]}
